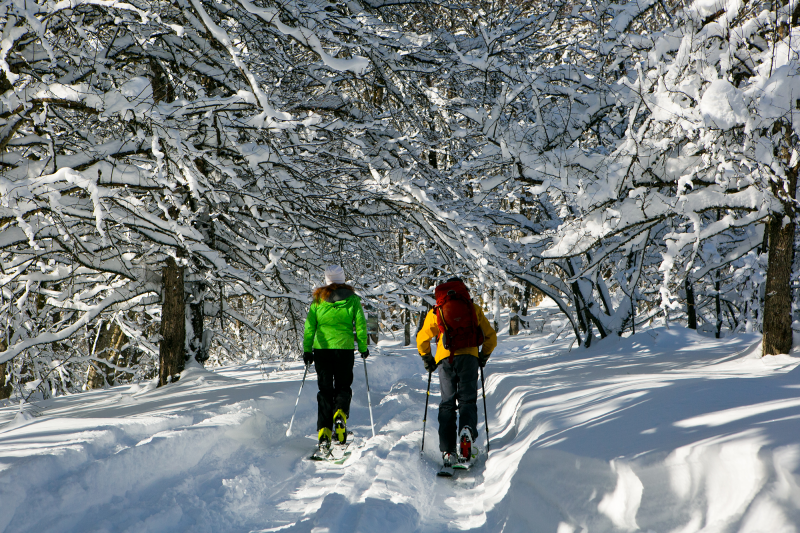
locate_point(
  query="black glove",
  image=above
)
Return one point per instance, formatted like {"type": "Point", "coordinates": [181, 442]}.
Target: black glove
{"type": "Point", "coordinates": [482, 358]}
{"type": "Point", "coordinates": [308, 358]}
{"type": "Point", "coordinates": [429, 362]}
{"type": "Point", "coordinates": [364, 354]}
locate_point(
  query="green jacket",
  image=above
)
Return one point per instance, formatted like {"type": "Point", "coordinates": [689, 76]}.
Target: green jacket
{"type": "Point", "coordinates": [330, 325]}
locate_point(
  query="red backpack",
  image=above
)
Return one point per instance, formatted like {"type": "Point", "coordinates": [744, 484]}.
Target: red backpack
{"type": "Point", "coordinates": [456, 317]}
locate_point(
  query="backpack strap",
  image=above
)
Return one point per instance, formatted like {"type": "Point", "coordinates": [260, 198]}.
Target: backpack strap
{"type": "Point", "coordinates": [445, 328]}
{"type": "Point", "coordinates": [438, 309]}
{"type": "Point", "coordinates": [444, 333]}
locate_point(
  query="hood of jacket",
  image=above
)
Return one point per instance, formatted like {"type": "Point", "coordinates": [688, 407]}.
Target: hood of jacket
{"type": "Point", "coordinates": [339, 295]}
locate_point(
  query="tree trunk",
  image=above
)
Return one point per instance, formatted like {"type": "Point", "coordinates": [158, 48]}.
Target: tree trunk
{"type": "Point", "coordinates": [172, 350]}
{"type": "Point", "coordinates": [778, 297]}
{"type": "Point", "coordinates": [110, 339]}
{"type": "Point", "coordinates": [589, 335]}
{"type": "Point", "coordinates": [590, 316]}
{"type": "Point", "coordinates": [196, 343]}
{"type": "Point", "coordinates": [495, 308]}
{"type": "Point", "coordinates": [718, 307]}
{"type": "Point", "coordinates": [401, 244]}
{"type": "Point", "coordinates": [778, 292]}
{"type": "Point", "coordinates": [5, 389]}
{"type": "Point", "coordinates": [373, 325]}
{"type": "Point", "coordinates": [513, 323]}
{"type": "Point", "coordinates": [690, 305]}
{"type": "Point", "coordinates": [526, 302]}
{"type": "Point", "coordinates": [576, 298]}
{"type": "Point", "coordinates": [378, 327]}
{"type": "Point", "coordinates": [407, 323]}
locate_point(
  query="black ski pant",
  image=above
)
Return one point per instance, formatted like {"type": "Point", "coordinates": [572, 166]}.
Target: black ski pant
{"type": "Point", "coordinates": [334, 377]}
{"type": "Point", "coordinates": [458, 381]}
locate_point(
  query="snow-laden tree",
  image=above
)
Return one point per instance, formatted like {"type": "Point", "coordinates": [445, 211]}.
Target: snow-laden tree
{"type": "Point", "coordinates": [710, 147]}
{"type": "Point", "coordinates": [228, 147]}
{"type": "Point", "coordinates": [526, 92]}
{"type": "Point", "coordinates": [175, 176]}
{"type": "Point", "coordinates": [642, 142]}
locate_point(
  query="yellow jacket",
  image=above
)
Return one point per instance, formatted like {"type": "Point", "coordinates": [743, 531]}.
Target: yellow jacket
{"type": "Point", "coordinates": [430, 330]}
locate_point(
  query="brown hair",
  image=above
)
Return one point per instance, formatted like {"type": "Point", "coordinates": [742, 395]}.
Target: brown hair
{"type": "Point", "coordinates": [324, 293]}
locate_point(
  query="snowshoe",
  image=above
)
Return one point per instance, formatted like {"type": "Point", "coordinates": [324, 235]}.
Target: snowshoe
{"type": "Point", "coordinates": [323, 450]}
{"type": "Point", "coordinates": [448, 460]}
{"type": "Point", "coordinates": [340, 426]}
{"type": "Point", "coordinates": [337, 452]}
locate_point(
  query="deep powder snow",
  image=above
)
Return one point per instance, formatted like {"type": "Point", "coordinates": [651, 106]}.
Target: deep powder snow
{"type": "Point", "coordinates": [664, 431]}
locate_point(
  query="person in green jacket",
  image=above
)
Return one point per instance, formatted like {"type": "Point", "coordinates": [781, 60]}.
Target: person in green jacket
{"type": "Point", "coordinates": [328, 343]}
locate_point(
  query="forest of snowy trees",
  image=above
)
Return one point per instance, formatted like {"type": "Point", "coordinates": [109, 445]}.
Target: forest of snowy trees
{"type": "Point", "coordinates": [175, 175]}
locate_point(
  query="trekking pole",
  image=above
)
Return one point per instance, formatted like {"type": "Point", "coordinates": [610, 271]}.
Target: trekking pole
{"type": "Point", "coordinates": [369, 401]}
{"type": "Point", "coordinates": [425, 416]}
{"type": "Point", "coordinates": [289, 431]}
{"type": "Point", "coordinates": [485, 417]}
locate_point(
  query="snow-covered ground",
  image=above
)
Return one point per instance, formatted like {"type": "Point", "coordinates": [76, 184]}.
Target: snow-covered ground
{"type": "Point", "coordinates": [665, 431]}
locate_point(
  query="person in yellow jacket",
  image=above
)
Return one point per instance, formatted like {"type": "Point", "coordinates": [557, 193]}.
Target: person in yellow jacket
{"type": "Point", "coordinates": [458, 381]}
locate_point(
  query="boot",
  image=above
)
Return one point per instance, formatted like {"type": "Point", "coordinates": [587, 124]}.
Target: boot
{"type": "Point", "coordinates": [465, 445]}
{"type": "Point", "coordinates": [340, 426]}
{"type": "Point", "coordinates": [324, 444]}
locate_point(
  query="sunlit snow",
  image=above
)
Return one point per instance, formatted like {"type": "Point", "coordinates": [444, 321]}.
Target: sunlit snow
{"type": "Point", "coordinates": [663, 431]}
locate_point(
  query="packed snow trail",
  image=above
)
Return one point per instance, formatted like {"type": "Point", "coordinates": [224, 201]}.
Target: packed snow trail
{"type": "Point", "coordinates": [664, 431]}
